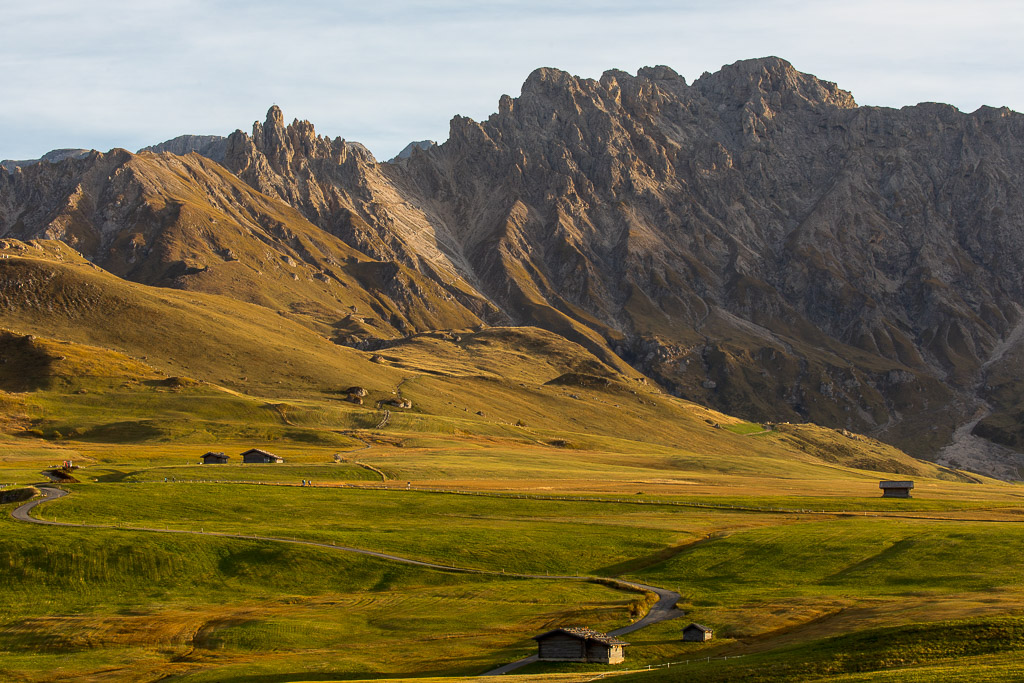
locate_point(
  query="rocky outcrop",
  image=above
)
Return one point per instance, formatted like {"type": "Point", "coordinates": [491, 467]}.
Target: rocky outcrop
{"type": "Point", "coordinates": [53, 156]}
{"type": "Point", "coordinates": [413, 147]}
{"type": "Point", "coordinates": [209, 146]}
{"type": "Point", "coordinates": [186, 222]}
{"type": "Point", "coordinates": [339, 186]}
{"type": "Point", "coordinates": [754, 240]}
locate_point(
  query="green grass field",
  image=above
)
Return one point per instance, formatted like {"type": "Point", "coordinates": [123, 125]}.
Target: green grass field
{"type": "Point", "coordinates": [777, 539]}
{"type": "Point", "coordinates": [762, 580]}
{"type": "Point", "coordinates": [980, 649]}
{"type": "Point", "coordinates": [80, 602]}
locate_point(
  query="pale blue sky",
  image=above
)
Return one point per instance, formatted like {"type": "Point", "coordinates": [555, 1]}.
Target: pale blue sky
{"type": "Point", "coordinates": [129, 73]}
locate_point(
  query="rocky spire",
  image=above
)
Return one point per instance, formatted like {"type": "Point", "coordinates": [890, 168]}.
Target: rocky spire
{"type": "Point", "coordinates": [774, 79]}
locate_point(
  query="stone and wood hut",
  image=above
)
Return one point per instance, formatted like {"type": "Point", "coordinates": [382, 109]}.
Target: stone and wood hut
{"type": "Point", "coordinates": [579, 644]}
{"type": "Point", "coordinates": [895, 489]}
{"type": "Point", "coordinates": [212, 458]}
{"type": "Point", "coordinates": [697, 633]}
{"type": "Point", "coordinates": [255, 455]}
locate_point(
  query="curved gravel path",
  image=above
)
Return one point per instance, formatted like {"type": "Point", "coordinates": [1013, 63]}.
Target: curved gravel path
{"type": "Point", "coordinates": [663, 610]}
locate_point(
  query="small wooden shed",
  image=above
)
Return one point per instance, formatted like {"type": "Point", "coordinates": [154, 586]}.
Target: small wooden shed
{"type": "Point", "coordinates": [697, 633]}
{"type": "Point", "coordinates": [896, 489]}
{"type": "Point", "coordinates": [579, 644]}
{"type": "Point", "coordinates": [255, 455]}
{"type": "Point", "coordinates": [212, 458]}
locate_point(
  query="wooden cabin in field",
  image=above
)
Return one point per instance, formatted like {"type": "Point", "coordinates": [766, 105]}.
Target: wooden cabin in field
{"type": "Point", "coordinates": [895, 489]}
{"type": "Point", "coordinates": [212, 458]}
{"type": "Point", "coordinates": [255, 455]}
{"type": "Point", "coordinates": [579, 644]}
{"type": "Point", "coordinates": [697, 633]}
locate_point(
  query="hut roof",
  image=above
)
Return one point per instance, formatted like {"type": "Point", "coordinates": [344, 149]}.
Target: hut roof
{"type": "Point", "coordinates": [584, 633]}
{"type": "Point", "coordinates": [700, 627]}
{"type": "Point", "coordinates": [217, 453]}
{"type": "Point", "coordinates": [257, 451]}
{"type": "Point", "coordinates": [887, 484]}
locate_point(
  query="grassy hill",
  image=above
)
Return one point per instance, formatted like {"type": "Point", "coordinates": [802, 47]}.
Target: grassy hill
{"type": "Point", "coordinates": [517, 450]}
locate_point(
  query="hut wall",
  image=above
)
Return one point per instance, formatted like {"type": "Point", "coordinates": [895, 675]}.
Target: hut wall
{"type": "Point", "coordinates": [561, 648]}
{"type": "Point", "coordinates": [695, 635]}
{"type": "Point", "coordinates": [603, 654]}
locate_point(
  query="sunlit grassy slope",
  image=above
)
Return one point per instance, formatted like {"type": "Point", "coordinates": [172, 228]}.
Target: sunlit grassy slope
{"type": "Point", "coordinates": [132, 607]}
{"type": "Point", "coordinates": [116, 362]}
{"type": "Point", "coordinates": [522, 452]}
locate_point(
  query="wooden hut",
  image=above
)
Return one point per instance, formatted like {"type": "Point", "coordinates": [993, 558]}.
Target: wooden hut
{"type": "Point", "coordinates": [895, 489]}
{"type": "Point", "coordinates": [255, 455]}
{"type": "Point", "coordinates": [212, 458]}
{"type": "Point", "coordinates": [697, 633]}
{"type": "Point", "coordinates": [579, 644]}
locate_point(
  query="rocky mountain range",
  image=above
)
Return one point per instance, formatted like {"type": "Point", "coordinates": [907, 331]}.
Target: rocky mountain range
{"type": "Point", "coordinates": [754, 241]}
{"type": "Point", "coordinates": [53, 156]}
{"type": "Point", "coordinates": [210, 146]}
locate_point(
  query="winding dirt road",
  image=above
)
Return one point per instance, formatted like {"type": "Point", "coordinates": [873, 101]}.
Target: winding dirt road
{"type": "Point", "coordinates": [663, 610]}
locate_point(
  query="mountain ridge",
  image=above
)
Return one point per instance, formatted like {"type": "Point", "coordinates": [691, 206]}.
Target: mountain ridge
{"type": "Point", "coordinates": [754, 241]}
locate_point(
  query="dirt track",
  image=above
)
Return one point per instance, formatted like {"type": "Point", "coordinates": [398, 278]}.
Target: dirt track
{"type": "Point", "coordinates": [663, 610]}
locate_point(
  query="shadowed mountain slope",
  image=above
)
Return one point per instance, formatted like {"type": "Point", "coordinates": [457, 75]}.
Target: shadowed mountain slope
{"type": "Point", "coordinates": [755, 241]}
{"type": "Point", "coordinates": [185, 222]}
{"type": "Point", "coordinates": [87, 354]}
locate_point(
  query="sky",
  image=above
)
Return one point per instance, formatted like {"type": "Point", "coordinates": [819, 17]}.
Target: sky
{"type": "Point", "coordinates": [131, 73]}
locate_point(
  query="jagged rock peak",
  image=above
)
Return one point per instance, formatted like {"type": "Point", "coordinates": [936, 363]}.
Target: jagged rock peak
{"type": "Point", "coordinates": [419, 145]}
{"type": "Point", "coordinates": [751, 79]}
{"type": "Point", "coordinates": [547, 80]}
{"type": "Point", "coordinates": [275, 117]}
{"type": "Point", "coordinates": [210, 146]}
{"type": "Point", "coordinates": [660, 73]}
{"type": "Point", "coordinates": [285, 145]}
{"type": "Point", "coordinates": [53, 156]}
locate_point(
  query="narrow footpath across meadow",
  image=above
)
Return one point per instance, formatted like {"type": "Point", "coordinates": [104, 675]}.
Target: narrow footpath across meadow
{"type": "Point", "coordinates": [663, 610]}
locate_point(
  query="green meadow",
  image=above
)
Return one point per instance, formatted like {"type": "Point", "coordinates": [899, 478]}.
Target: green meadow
{"type": "Point", "coordinates": [79, 603]}
{"type": "Point", "coordinates": [775, 538]}
{"type": "Point", "coordinates": [782, 586]}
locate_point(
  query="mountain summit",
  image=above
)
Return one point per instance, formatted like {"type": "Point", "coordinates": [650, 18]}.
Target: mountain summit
{"type": "Point", "coordinates": [755, 240]}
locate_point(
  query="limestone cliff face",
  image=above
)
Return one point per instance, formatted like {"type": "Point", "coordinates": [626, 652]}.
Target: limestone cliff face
{"type": "Point", "coordinates": [754, 240]}
{"type": "Point", "coordinates": [339, 186]}
{"type": "Point", "coordinates": [53, 156]}
{"type": "Point", "coordinates": [186, 222]}
{"type": "Point", "coordinates": [209, 146]}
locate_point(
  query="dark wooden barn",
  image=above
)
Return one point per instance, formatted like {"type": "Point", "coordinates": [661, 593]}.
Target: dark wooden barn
{"type": "Point", "coordinates": [895, 489]}
{"type": "Point", "coordinates": [255, 455]}
{"type": "Point", "coordinates": [579, 644]}
{"type": "Point", "coordinates": [697, 633]}
{"type": "Point", "coordinates": [212, 458]}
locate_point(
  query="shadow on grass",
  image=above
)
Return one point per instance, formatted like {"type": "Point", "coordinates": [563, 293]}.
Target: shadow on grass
{"type": "Point", "coordinates": [120, 432]}
{"type": "Point", "coordinates": [114, 476]}
{"type": "Point", "coordinates": [647, 561]}
{"type": "Point", "coordinates": [326, 676]}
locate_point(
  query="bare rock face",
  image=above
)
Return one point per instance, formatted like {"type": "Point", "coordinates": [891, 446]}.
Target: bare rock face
{"type": "Point", "coordinates": [53, 156]}
{"type": "Point", "coordinates": [186, 222]}
{"type": "Point", "coordinates": [209, 146]}
{"type": "Point", "coordinates": [754, 240]}
{"type": "Point", "coordinates": [412, 148]}
{"type": "Point", "coordinates": [339, 186]}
